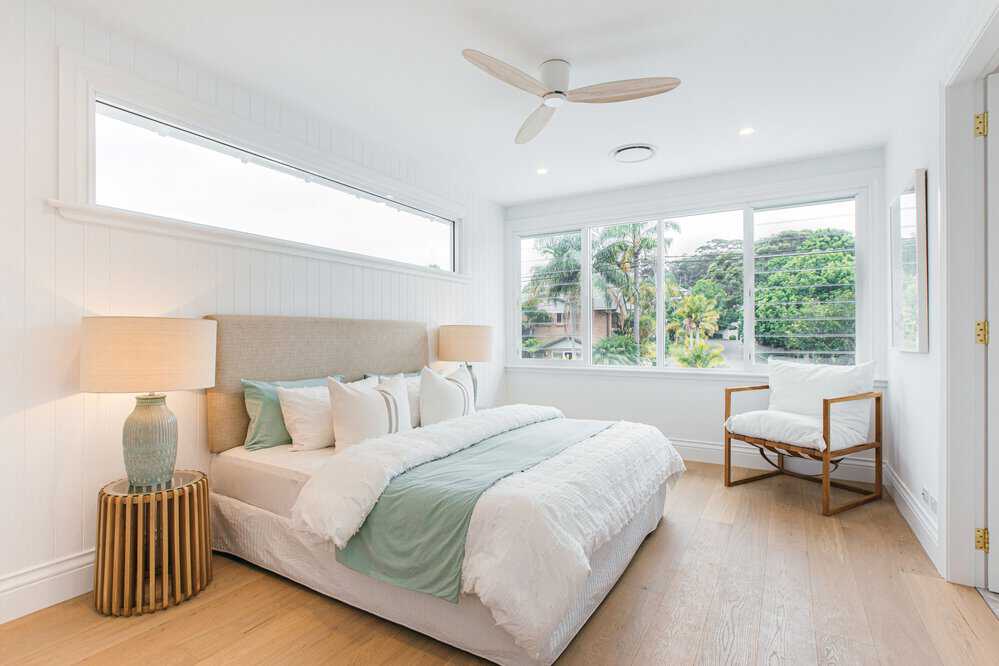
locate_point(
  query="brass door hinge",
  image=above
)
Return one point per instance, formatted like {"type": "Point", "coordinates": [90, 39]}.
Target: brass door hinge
{"type": "Point", "coordinates": [982, 539]}
{"type": "Point", "coordinates": [982, 123]}
{"type": "Point", "coordinates": [982, 332]}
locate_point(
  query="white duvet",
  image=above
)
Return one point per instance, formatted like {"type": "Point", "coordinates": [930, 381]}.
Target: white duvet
{"type": "Point", "coordinates": [531, 534]}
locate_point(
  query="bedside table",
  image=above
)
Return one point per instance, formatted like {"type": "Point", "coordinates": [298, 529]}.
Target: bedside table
{"type": "Point", "coordinates": [154, 545]}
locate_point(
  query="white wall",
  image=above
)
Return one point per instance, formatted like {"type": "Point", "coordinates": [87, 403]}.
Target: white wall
{"type": "Point", "coordinates": [918, 399]}
{"type": "Point", "coordinates": [688, 405]}
{"type": "Point", "coordinates": [58, 446]}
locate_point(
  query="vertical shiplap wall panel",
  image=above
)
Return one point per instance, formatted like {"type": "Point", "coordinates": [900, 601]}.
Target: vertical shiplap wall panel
{"type": "Point", "coordinates": [225, 288]}
{"type": "Point", "coordinates": [67, 460]}
{"type": "Point", "coordinates": [39, 245]}
{"type": "Point", "coordinates": [57, 445]}
{"type": "Point", "coordinates": [96, 469]}
{"type": "Point", "coordinates": [273, 285]}
{"type": "Point", "coordinates": [242, 280]}
{"type": "Point", "coordinates": [12, 258]}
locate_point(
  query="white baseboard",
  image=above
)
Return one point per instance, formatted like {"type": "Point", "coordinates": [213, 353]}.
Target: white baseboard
{"type": "Point", "coordinates": [41, 586]}
{"type": "Point", "coordinates": [744, 455]}
{"type": "Point", "coordinates": [920, 521]}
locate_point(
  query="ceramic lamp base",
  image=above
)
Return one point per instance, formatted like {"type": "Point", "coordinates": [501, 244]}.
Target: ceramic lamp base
{"type": "Point", "coordinates": [475, 383]}
{"type": "Point", "coordinates": [149, 442]}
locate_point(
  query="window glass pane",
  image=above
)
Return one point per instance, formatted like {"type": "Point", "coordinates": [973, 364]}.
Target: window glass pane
{"type": "Point", "coordinates": [623, 294]}
{"type": "Point", "coordinates": [150, 167]}
{"type": "Point", "coordinates": [805, 283]}
{"type": "Point", "coordinates": [550, 324]}
{"type": "Point", "coordinates": [702, 290]}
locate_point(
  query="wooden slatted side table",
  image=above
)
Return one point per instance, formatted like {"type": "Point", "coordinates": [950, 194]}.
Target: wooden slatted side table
{"type": "Point", "coordinates": [154, 545]}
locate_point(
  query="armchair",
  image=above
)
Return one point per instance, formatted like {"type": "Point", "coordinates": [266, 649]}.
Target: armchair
{"type": "Point", "coordinates": [763, 433]}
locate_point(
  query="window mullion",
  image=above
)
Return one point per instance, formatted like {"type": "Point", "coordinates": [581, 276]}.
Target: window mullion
{"type": "Point", "coordinates": [660, 310]}
{"type": "Point", "coordinates": [586, 304]}
{"type": "Point", "coordinates": [748, 290]}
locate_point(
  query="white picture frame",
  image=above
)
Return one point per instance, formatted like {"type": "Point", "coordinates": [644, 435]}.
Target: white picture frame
{"type": "Point", "coordinates": [909, 280]}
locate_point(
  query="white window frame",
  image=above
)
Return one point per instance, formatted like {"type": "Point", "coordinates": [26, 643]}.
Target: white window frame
{"type": "Point", "coordinates": [83, 81]}
{"type": "Point", "coordinates": [866, 245]}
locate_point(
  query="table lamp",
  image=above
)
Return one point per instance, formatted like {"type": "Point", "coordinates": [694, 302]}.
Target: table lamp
{"type": "Point", "coordinates": [147, 354]}
{"type": "Point", "coordinates": [465, 343]}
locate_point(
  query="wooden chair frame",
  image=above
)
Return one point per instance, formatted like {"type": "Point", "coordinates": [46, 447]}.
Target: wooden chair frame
{"type": "Point", "coordinates": [827, 457]}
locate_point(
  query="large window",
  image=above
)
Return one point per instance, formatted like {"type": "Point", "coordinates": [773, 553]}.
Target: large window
{"type": "Point", "coordinates": [150, 167]}
{"type": "Point", "coordinates": [623, 294]}
{"type": "Point", "coordinates": [726, 289]}
{"type": "Point", "coordinates": [805, 283]}
{"type": "Point", "coordinates": [702, 289]}
{"type": "Point", "coordinates": [550, 297]}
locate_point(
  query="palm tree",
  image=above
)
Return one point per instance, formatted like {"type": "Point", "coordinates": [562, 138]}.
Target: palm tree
{"type": "Point", "coordinates": [624, 255]}
{"type": "Point", "coordinates": [558, 279]}
{"type": "Point", "coordinates": [694, 319]}
{"type": "Point", "coordinates": [624, 258]}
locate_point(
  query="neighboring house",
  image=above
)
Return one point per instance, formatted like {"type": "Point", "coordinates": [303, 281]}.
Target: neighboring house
{"type": "Point", "coordinates": [559, 336]}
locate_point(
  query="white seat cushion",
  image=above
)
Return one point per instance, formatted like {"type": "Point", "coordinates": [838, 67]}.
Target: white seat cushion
{"type": "Point", "coordinates": [790, 428]}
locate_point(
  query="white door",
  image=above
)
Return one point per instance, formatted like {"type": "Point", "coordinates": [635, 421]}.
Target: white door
{"type": "Point", "coordinates": [992, 287]}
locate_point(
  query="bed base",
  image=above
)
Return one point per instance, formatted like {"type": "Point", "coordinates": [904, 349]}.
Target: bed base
{"type": "Point", "coordinates": [268, 540]}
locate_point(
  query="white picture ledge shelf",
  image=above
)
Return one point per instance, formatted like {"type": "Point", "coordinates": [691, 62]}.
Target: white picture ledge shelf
{"type": "Point", "coordinates": [165, 226]}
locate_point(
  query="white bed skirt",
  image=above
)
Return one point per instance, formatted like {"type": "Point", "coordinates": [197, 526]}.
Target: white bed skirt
{"type": "Point", "coordinates": [268, 540]}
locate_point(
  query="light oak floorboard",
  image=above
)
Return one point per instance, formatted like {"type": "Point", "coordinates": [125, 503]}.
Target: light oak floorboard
{"type": "Point", "coordinates": [786, 634]}
{"type": "Point", "coordinates": [744, 575]}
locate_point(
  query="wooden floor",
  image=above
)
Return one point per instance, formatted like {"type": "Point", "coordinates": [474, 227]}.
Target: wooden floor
{"type": "Point", "coordinates": [745, 575]}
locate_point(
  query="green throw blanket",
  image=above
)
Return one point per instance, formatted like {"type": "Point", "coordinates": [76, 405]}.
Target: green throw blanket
{"type": "Point", "coordinates": [414, 536]}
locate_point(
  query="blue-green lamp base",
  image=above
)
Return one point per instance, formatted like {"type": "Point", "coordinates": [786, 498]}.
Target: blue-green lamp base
{"type": "Point", "coordinates": [149, 442]}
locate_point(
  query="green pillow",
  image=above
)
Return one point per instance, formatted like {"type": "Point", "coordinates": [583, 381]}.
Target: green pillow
{"type": "Point", "coordinates": [267, 427]}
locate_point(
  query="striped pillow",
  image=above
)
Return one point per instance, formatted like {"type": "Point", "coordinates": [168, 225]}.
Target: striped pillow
{"type": "Point", "coordinates": [361, 413]}
{"type": "Point", "coordinates": [443, 398]}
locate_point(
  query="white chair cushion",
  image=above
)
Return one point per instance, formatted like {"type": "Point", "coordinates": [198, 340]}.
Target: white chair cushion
{"type": "Point", "coordinates": [799, 388]}
{"type": "Point", "coordinates": [790, 428]}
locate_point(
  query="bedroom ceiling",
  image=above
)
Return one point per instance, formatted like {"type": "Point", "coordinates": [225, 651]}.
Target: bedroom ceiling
{"type": "Point", "coordinates": [809, 76]}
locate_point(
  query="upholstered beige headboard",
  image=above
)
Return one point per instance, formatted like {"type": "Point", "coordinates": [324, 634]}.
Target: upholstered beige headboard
{"type": "Point", "coordinates": [261, 347]}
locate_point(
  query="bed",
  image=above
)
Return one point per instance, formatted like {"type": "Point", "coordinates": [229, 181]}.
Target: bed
{"type": "Point", "coordinates": [255, 493]}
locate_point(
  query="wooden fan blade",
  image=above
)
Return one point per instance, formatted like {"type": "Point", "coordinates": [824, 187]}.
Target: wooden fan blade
{"type": "Point", "coordinates": [534, 123]}
{"type": "Point", "coordinates": [622, 91]}
{"type": "Point", "coordinates": [505, 73]}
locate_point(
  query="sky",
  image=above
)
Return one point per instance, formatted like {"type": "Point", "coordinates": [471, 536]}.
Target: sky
{"type": "Point", "coordinates": [143, 170]}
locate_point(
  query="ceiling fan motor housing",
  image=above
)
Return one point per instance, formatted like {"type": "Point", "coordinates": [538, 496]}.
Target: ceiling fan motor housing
{"type": "Point", "coordinates": [555, 75]}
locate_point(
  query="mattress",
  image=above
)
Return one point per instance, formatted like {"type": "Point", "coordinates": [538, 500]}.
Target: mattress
{"type": "Point", "coordinates": [268, 479]}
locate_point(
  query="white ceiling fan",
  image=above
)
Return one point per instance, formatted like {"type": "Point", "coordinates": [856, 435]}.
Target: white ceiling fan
{"type": "Point", "coordinates": [553, 88]}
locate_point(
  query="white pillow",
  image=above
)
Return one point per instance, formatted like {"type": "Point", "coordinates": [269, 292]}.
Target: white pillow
{"type": "Point", "coordinates": [360, 413]}
{"type": "Point", "coordinates": [307, 414]}
{"type": "Point", "coordinates": [413, 392]}
{"type": "Point", "coordinates": [799, 388]}
{"type": "Point", "coordinates": [443, 398]}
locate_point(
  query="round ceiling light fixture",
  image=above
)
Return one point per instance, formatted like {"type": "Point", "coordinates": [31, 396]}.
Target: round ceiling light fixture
{"type": "Point", "coordinates": [634, 152]}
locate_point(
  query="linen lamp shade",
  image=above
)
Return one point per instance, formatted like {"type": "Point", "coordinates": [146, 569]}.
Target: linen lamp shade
{"type": "Point", "coordinates": [139, 354]}
{"type": "Point", "coordinates": [464, 342]}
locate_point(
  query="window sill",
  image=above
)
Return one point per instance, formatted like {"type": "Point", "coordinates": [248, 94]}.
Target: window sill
{"type": "Point", "coordinates": [668, 374]}
{"type": "Point", "coordinates": [174, 228]}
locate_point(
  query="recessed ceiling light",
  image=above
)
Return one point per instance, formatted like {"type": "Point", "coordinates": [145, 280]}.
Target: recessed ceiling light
{"type": "Point", "coordinates": [542, 171]}
{"type": "Point", "coordinates": [746, 131]}
{"type": "Point", "coordinates": [634, 152]}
